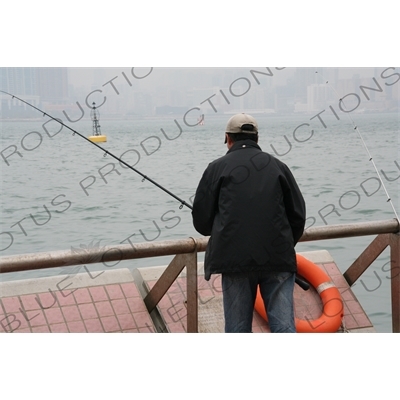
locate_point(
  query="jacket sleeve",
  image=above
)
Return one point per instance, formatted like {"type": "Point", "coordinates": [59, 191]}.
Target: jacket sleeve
{"type": "Point", "coordinates": [295, 205]}
{"type": "Point", "coordinates": [205, 204]}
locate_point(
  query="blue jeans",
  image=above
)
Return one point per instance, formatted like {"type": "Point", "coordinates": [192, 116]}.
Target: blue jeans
{"type": "Point", "coordinates": [239, 294]}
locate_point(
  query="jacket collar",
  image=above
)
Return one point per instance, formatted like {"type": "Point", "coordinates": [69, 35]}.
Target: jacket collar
{"type": "Point", "coordinates": [244, 144]}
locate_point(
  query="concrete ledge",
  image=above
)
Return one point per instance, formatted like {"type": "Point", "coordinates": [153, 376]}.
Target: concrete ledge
{"type": "Point", "coordinates": [318, 256]}
{"type": "Point", "coordinates": [71, 281]}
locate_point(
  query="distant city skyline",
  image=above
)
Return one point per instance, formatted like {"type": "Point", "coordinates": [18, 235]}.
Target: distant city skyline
{"type": "Point", "coordinates": [149, 91]}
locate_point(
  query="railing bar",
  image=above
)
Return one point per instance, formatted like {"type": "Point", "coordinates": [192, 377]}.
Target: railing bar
{"type": "Point", "coordinates": [366, 258]}
{"type": "Point", "coordinates": [117, 253]}
{"type": "Point", "coordinates": [165, 281]}
{"type": "Point", "coordinates": [350, 230]}
{"type": "Point", "coordinates": [107, 255]}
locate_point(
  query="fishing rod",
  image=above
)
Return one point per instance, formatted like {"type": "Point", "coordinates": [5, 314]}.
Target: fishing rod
{"type": "Point", "coordinates": [303, 284]}
{"type": "Point", "coordinates": [355, 127]}
{"type": "Point", "coordinates": [74, 132]}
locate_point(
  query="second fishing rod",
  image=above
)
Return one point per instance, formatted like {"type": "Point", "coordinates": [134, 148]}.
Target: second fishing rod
{"type": "Point", "coordinates": [303, 284]}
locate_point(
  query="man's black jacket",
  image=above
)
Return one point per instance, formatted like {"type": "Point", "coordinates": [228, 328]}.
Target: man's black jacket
{"type": "Point", "coordinates": [250, 204]}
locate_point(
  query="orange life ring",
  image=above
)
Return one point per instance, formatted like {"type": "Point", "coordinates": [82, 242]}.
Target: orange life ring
{"type": "Point", "coordinates": [332, 314]}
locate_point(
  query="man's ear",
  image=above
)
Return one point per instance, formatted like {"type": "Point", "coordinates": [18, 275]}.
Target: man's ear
{"type": "Point", "coordinates": [229, 141]}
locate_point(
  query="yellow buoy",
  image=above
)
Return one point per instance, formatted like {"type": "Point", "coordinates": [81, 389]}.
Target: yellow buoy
{"type": "Point", "coordinates": [98, 138]}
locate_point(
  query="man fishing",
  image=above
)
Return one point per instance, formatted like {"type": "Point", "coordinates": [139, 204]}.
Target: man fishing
{"type": "Point", "coordinates": [251, 206]}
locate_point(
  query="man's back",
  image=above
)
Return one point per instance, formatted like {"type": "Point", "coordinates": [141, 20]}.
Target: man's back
{"type": "Point", "coordinates": [250, 204]}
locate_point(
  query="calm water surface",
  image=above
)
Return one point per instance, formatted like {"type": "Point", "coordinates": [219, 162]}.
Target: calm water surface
{"type": "Point", "coordinates": [61, 192]}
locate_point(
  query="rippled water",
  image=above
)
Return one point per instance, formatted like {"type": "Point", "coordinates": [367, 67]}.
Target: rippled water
{"type": "Point", "coordinates": [61, 192]}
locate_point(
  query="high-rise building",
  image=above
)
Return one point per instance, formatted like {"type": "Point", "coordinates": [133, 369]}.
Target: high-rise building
{"type": "Point", "coordinates": [35, 85]}
{"type": "Point", "coordinates": [18, 81]}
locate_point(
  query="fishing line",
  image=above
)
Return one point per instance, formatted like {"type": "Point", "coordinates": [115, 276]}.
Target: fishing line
{"type": "Point", "coordinates": [106, 152]}
{"type": "Point", "coordinates": [355, 127]}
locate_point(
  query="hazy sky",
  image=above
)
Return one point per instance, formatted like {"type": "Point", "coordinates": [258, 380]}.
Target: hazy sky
{"type": "Point", "coordinates": [90, 76]}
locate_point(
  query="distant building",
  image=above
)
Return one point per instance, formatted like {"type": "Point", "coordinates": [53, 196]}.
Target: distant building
{"type": "Point", "coordinates": [19, 81]}
{"type": "Point", "coordinates": [35, 85]}
{"type": "Point", "coordinates": [317, 97]}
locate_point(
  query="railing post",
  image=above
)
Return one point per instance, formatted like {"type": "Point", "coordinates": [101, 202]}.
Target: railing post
{"type": "Point", "coordinates": [191, 292]}
{"type": "Point", "coordinates": [394, 242]}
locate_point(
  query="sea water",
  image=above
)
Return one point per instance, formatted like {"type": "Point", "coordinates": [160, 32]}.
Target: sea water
{"type": "Point", "coordinates": [59, 192]}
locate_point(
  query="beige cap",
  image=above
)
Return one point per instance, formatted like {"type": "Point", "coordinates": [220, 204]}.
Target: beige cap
{"type": "Point", "coordinates": [238, 122]}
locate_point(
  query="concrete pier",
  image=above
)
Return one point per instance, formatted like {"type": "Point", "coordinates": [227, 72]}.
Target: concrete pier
{"type": "Point", "coordinates": [112, 301]}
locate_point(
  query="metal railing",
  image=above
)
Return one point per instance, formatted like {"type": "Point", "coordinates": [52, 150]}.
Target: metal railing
{"type": "Point", "coordinates": [186, 251]}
